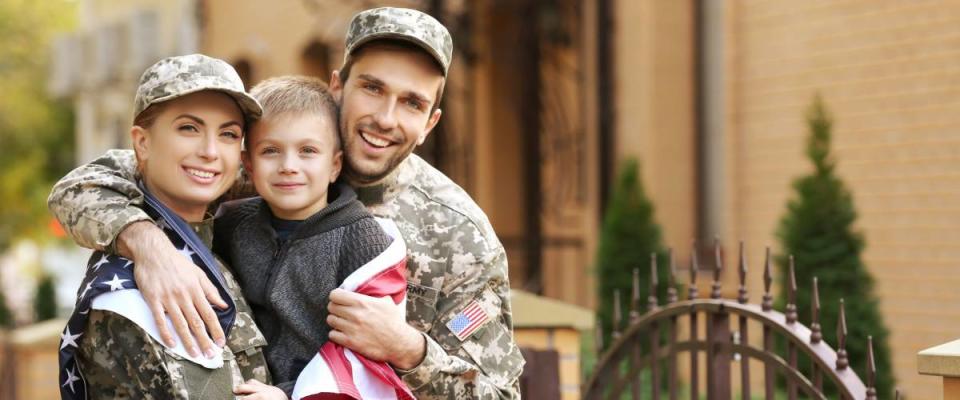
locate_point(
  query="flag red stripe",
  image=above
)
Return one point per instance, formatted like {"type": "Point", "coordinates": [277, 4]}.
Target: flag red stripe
{"type": "Point", "coordinates": [471, 314]}
{"type": "Point", "coordinates": [474, 325]}
{"type": "Point", "coordinates": [389, 282]}
{"type": "Point", "coordinates": [476, 316]}
{"type": "Point", "coordinates": [341, 369]}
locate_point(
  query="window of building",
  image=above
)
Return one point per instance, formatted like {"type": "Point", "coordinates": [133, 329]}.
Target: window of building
{"type": "Point", "coordinates": [245, 70]}
{"type": "Point", "coordinates": [315, 60]}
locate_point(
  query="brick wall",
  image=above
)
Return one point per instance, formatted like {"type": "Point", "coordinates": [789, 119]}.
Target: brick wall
{"type": "Point", "coordinates": [890, 74]}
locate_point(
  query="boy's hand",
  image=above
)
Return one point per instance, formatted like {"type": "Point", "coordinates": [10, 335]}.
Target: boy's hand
{"type": "Point", "coordinates": [172, 285]}
{"type": "Point", "coordinates": [256, 390]}
{"type": "Point", "coordinates": [374, 327]}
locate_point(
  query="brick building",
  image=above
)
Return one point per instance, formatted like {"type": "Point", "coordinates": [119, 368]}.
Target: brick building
{"type": "Point", "coordinates": [546, 97]}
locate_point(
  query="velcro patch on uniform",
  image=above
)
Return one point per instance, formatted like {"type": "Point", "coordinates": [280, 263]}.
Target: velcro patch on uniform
{"type": "Point", "coordinates": [466, 322]}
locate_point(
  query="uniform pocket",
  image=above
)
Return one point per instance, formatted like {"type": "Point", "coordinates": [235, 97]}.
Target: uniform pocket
{"type": "Point", "coordinates": [491, 346]}
{"type": "Point", "coordinates": [244, 334]}
{"type": "Point", "coordinates": [247, 344]}
{"type": "Point", "coordinates": [487, 301]}
{"type": "Point", "coordinates": [202, 382]}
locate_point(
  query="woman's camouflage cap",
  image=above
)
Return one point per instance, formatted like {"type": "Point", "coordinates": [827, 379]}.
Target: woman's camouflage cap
{"type": "Point", "coordinates": [401, 24]}
{"type": "Point", "coordinates": [178, 76]}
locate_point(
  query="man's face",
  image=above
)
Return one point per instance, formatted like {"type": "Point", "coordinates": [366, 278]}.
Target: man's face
{"type": "Point", "coordinates": [292, 159]}
{"type": "Point", "coordinates": [191, 153]}
{"type": "Point", "coordinates": [385, 109]}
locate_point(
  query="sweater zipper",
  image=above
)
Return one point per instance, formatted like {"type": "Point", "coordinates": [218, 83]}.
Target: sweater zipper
{"type": "Point", "coordinates": [278, 255]}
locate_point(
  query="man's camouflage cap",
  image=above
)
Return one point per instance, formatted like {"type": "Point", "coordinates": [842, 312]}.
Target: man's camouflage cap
{"type": "Point", "coordinates": [178, 76]}
{"type": "Point", "coordinates": [401, 24]}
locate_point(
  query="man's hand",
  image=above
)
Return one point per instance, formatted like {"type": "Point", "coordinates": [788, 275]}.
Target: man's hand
{"type": "Point", "coordinates": [374, 327]}
{"type": "Point", "coordinates": [256, 390]}
{"type": "Point", "coordinates": [173, 285]}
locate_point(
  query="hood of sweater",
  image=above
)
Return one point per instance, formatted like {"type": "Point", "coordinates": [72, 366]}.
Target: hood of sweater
{"type": "Point", "coordinates": [342, 209]}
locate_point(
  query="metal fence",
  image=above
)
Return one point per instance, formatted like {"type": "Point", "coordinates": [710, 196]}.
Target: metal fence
{"type": "Point", "coordinates": [644, 357]}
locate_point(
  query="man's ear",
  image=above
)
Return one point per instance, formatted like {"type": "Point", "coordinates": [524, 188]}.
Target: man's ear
{"type": "Point", "coordinates": [141, 144]}
{"type": "Point", "coordinates": [431, 123]}
{"type": "Point", "coordinates": [337, 165]}
{"type": "Point", "coordinates": [335, 86]}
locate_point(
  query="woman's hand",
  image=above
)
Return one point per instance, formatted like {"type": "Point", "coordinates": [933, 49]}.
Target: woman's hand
{"type": "Point", "coordinates": [173, 286]}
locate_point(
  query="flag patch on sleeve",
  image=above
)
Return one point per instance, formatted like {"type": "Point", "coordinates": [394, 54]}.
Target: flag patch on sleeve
{"type": "Point", "coordinates": [466, 322]}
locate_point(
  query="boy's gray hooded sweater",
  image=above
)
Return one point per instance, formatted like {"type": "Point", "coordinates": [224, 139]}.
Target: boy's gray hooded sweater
{"type": "Point", "coordinates": [288, 283]}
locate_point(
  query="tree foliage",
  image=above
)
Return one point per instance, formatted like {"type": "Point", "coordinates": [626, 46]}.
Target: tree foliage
{"type": "Point", "coordinates": [6, 316]}
{"type": "Point", "coordinates": [627, 239]}
{"type": "Point", "coordinates": [36, 132]}
{"type": "Point", "coordinates": [818, 231]}
{"type": "Point", "coordinates": [45, 300]}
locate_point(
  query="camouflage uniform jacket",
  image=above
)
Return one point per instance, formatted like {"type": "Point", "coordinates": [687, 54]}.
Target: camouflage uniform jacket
{"type": "Point", "coordinates": [454, 261]}
{"type": "Point", "coordinates": [120, 360]}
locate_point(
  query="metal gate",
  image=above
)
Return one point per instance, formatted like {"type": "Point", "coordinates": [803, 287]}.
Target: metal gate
{"type": "Point", "coordinates": [643, 360]}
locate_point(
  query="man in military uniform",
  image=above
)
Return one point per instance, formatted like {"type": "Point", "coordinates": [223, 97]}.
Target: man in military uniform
{"type": "Point", "coordinates": [457, 341]}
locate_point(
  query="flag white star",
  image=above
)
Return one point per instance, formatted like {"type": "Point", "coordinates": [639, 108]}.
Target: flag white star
{"type": "Point", "coordinates": [116, 283]}
{"type": "Point", "coordinates": [129, 263]}
{"type": "Point", "coordinates": [71, 378]}
{"type": "Point", "coordinates": [84, 312]}
{"type": "Point", "coordinates": [69, 339]}
{"type": "Point", "coordinates": [86, 289]}
{"type": "Point", "coordinates": [187, 252]}
{"type": "Point", "coordinates": [103, 260]}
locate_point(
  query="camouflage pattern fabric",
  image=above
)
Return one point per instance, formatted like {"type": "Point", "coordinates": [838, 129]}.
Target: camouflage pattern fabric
{"type": "Point", "coordinates": [454, 259]}
{"type": "Point", "coordinates": [402, 24]}
{"type": "Point", "coordinates": [120, 360]}
{"type": "Point", "coordinates": [96, 201]}
{"type": "Point", "coordinates": [177, 76]}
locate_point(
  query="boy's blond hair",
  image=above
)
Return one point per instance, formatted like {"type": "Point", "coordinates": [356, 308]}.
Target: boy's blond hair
{"type": "Point", "coordinates": [297, 95]}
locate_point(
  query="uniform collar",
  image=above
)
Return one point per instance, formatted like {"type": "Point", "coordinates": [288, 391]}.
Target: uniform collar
{"type": "Point", "coordinates": [385, 189]}
{"type": "Point", "coordinates": [204, 230]}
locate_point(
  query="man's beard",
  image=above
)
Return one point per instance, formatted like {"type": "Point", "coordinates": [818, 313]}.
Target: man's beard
{"type": "Point", "coordinates": [354, 173]}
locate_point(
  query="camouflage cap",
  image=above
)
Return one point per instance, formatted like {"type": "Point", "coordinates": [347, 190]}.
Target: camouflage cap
{"type": "Point", "coordinates": [402, 24]}
{"type": "Point", "coordinates": [178, 76]}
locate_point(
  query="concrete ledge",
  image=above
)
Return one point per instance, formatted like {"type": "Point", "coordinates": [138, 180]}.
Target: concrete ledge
{"type": "Point", "coordinates": [532, 311]}
{"type": "Point", "coordinates": [942, 360]}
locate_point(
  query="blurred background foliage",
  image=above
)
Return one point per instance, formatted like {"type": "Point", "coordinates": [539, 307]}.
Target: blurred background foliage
{"type": "Point", "coordinates": [36, 133]}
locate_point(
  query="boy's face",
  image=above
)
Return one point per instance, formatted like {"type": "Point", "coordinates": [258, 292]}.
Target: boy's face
{"type": "Point", "coordinates": [385, 109]}
{"type": "Point", "coordinates": [292, 159]}
{"type": "Point", "coordinates": [190, 155]}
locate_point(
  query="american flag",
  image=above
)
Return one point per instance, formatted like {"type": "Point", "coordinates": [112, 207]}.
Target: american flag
{"type": "Point", "coordinates": [337, 372]}
{"type": "Point", "coordinates": [107, 273]}
{"type": "Point", "coordinates": [468, 321]}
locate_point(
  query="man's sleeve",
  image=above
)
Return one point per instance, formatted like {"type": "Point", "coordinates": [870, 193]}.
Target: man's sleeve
{"type": "Point", "coordinates": [484, 363]}
{"type": "Point", "coordinates": [96, 201]}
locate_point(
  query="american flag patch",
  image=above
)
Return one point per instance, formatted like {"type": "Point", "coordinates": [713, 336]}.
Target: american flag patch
{"type": "Point", "coordinates": [468, 321]}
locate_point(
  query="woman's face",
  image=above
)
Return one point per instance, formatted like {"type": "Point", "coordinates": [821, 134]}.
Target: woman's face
{"type": "Point", "coordinates": [190, 155]}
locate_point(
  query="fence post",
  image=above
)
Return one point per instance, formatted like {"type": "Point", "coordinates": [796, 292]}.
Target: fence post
{"type": "Point", "coordinates": [718, 359]}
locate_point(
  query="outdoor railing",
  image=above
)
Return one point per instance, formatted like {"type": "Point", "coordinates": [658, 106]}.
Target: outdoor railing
{"type": "Point", "coordinates": [647, 348]}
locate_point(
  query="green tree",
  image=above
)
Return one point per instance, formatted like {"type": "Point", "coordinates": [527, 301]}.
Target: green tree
{"type": "Point", "coordinates": [45, 301]}
{"type": "Point", "coordinates": [36, 132]}
{"type": "Point", "coordinates": [6, 317]}
{"type": "Point", "coordinates": [628, 236]}
{"type": "Point", "coordinates": [818, 231]}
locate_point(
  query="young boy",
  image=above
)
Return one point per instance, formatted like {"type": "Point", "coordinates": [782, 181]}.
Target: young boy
{"type": "Point", "coordinates": [305, 234]}
{"type": "Point", "coordinates": [189, 118]}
